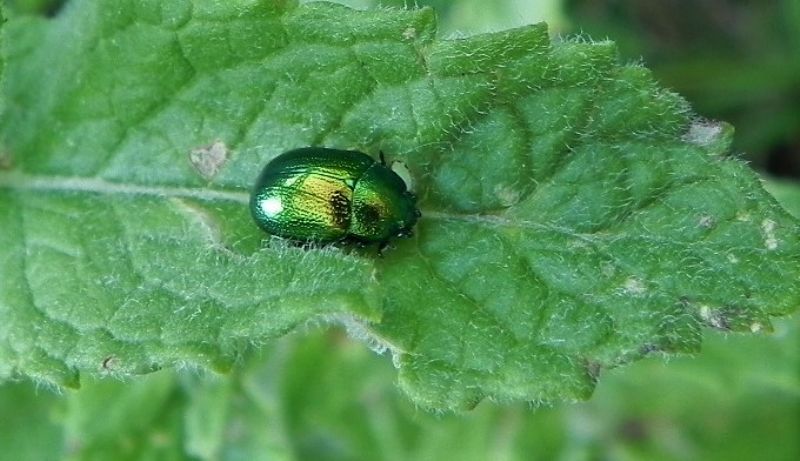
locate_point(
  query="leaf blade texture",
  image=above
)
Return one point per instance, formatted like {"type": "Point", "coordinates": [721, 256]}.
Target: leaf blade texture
{"type": "Point", "coordinates": [575, 215]}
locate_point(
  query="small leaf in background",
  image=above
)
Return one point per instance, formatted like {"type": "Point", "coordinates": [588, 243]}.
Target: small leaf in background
{"type": "Point", "coordinates": [29, 430]}
{"type": "Point", "coordinates": [787, 193]}
{"type": "Point", "coordinates": [575, 215]}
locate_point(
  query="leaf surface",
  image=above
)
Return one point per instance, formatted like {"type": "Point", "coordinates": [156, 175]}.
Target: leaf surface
{"type": "Point", "coordinates": [575, 215]}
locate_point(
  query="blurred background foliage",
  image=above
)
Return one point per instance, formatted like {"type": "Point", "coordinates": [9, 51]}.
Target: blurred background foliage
{"type": "Point", "coordinates": [734, 60]}
{"type": "Point", "coordinates": [319, 396]}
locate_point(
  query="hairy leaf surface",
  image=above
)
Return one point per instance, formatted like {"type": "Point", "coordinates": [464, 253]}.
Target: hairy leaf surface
{"type": "Point", "coordinates": [575, 215]}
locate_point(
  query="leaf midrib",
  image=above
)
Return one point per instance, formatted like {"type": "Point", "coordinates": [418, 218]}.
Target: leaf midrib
{"type": "Point", "coordinates": [17, 181]}
{"type": "Point", "coordinates": [24, 182]}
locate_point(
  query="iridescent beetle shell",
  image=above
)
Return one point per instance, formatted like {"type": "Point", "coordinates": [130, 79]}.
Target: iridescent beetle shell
{"type": "Point", "coordinates": [326, 195]}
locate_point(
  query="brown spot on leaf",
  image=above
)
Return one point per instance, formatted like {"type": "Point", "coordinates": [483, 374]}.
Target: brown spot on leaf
{"type": "Point", "coordinates": [209, 160]}
{"type": "Point", "coordinates": [110, 363]}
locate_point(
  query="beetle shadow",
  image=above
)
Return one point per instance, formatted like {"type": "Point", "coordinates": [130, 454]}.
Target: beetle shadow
{"type": "Point", "coordinates": [349, 245]}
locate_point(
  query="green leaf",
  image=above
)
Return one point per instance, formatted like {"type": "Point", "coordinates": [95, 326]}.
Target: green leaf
{"type": "Point", "coordinates": [575, 215]}
{"type": "Point", "coordinates": [745, 75]}
{"type": "Point", "coordinates": [141, 420]}
{"type": "Point", "coordinates": [738, 400]}
{"type": "Point", "coordinates": [235, 418]}
{"type": "Point", "coordinates": [700, 407]}
{"type": "Point", "coordinates": [27, 429]}
{"type": "Point", "coordinates": [292, 399]}
{"type": "Point", "coordinates": [787, 193]}
{"type": "Point", "coordinates": [117, 256]}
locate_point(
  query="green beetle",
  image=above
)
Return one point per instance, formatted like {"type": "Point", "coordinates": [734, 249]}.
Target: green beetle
{"type": "Point", "coordinates": [325, 195]}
